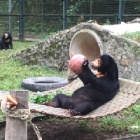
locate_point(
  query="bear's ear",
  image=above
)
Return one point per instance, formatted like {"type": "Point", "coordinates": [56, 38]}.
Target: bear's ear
{"type": "Point", "coordinates": [71, 54]}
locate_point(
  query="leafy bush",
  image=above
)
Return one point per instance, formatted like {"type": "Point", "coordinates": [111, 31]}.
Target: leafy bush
{"type": "Point", "coordinates": [41, 98]}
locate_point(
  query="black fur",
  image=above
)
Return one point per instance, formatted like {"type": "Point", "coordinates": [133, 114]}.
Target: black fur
{"type": "Point", "coordinates": [95, 92]}
{"type": "Point", "coordinates": [6, 41]}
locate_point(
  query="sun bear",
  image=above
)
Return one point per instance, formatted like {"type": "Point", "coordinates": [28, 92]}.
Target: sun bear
{"type": "Point", "coordinates": [6, 41]}
{"type": "Point", "coordinates": [97, 90]}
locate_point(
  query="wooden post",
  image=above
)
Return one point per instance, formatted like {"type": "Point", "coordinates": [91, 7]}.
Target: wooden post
{"type": "Point", "coordinates": [16, 129]}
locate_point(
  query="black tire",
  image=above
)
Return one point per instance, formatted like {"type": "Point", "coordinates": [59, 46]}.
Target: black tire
{"type": "Point", "coordinates": [43, 83]}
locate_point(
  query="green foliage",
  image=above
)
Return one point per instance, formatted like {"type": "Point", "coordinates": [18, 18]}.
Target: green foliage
{"type": "Point", "coordinates": [3, 6]}
{"type": "Point", "coordinates": [74, 8]}
{"type": "Point", "coordinates": [40, 28]}
{"type": "Point", "coordinates": [137, 8]}
{"type": "Point", "coordinates": [107, 22]}
{"type": "Point", "coordinates": [41, 98]}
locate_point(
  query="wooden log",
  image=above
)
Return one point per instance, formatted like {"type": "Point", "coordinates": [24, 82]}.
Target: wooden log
{"type": "Point", "coordinates": [16, 129]}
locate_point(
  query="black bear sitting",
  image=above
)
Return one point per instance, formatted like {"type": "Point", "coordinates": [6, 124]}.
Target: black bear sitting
{"type": "Point", "coordinates": [6, 41]}
{"type": "Point", "coordinates": [97, 90]}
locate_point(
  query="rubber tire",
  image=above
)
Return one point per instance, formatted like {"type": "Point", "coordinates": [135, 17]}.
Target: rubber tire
{"type": "Point", "coordinates": [43, 83]}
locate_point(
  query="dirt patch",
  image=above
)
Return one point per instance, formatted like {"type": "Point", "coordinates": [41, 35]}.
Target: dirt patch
{"type": "Point", "coordinates": [67, 129]}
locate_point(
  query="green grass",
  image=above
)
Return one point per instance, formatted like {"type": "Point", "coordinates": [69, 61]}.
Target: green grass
{"type": "Point", "coordinates": [13, 72]}
{"type": "Point", "coordinates": [134, 36]}
{"type": "Point", "coordinates": [125, 121]}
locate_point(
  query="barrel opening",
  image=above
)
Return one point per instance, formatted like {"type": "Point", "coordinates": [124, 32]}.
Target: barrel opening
{"type": "Point", "coordinates": [86, 42]}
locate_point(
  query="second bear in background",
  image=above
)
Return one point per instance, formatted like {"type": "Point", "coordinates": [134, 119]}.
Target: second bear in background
{"type": "Point", "coordinates": [6, 41]}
